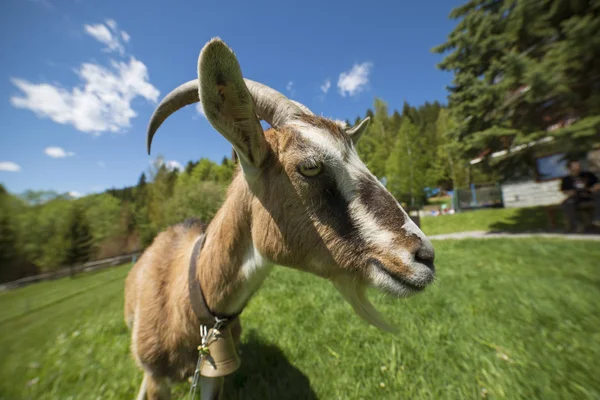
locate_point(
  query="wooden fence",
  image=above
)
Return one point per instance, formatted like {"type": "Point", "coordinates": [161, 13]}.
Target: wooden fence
{"type": "Point", "coordinates": [61, 273]}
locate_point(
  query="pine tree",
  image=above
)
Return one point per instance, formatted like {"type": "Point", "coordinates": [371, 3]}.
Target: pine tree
{"type": "Point", "coordinates": [396, 121]}
{"type": "Point", "coordinates": [189, 167]}
{"type": "Point", "coordinates": [142, 181]}
{"type": "Point", "coordinates": [158, 193]}
{"type": "Point", "coordinates": [449, 164]}
{"type": "Point", "coordinates": [77, 238]}
{"type": "Point", "coordinates": [140, 191]}
{"type": "Point", "coordinates": [407, 166]}
{"type": "Point", "coordinates": [127, 221]}
{"type": "Point", "coordinates": [204, 171]}
{"type": "Point", "coordinates": [8, 241]}
{"type": "Point", "coordinates": [523, 69]}
{"type": "Point", "coordinates": [374, 147]}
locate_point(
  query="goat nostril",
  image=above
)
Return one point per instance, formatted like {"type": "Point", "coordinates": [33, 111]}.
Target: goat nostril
{"type": "Point", "coordinates": [426, 257]}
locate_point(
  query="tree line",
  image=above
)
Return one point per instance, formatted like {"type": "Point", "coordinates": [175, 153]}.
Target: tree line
{"type": "Point", "coordinates": [523, 70]}
{"type": "Point", "coordinates": [43, 231]}
{"type": "Point", "coordinates": [415, 151]}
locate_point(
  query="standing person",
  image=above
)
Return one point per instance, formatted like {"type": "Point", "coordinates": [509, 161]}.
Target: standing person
{"type": "Point", "coordinates": [580, 187]}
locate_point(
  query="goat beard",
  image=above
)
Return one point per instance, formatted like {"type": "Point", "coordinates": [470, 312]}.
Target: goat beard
{"type": "Point", "coordinates": [355, 293]}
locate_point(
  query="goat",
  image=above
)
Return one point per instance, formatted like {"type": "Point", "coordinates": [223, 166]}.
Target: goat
{"type": "Point", "coordinates": [300, 198]}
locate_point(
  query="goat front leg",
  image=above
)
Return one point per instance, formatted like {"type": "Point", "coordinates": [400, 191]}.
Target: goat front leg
{"type": "Point", "coordinates": [153, 389]}
{"type": "Point", "coordinates": [211, 388]}
{"type": "Point", "coordinates": [143, 389]}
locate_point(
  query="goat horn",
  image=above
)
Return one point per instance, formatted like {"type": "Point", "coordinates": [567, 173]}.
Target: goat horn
{"type": "Point", "coordinates": [305, 109]}
{"type": "Point", "coordinates": [179, 97]}
{"type": "Point", "coordinates": [270, 105]}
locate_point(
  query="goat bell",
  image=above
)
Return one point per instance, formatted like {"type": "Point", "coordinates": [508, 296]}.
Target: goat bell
{"type": "Point", "coordinates": [222, 358]}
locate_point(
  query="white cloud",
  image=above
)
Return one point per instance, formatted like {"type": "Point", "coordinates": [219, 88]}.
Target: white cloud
{"type": "Point", "coordinates": [57, 152]}
{"type": "Point", "coordinates": [108, 34]}
{"type": "Point", "coordinates": [290, 88]}
{"type": "Point", "coordinates": [101, 164]}
{"type": "Point", "coordinates": [9, 166]}
{"type": "Point", "coordinates": [112, 23]}
{"type": "Point", "coordinates": [174, 165]}
{"type": "Point", "coordinates": [325, 86]}
{"type": "Point", "coordinates": [102, 102]}
{"type": "Point", "coordinates": [75, 194]}
{"type": "Point", "coordinates": [354, 81]}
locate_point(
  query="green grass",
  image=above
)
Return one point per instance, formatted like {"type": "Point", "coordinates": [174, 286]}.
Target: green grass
{"type": "Point", "coordinates": [507, 319]}
{"type": "Point", "coordinates": [495, 219]}
{"type": "Point", "coordinates": [440, 200]}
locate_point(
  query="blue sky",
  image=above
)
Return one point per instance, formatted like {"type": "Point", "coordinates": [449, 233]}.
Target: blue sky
{"type": "Point", "coordinates": [79, 79]}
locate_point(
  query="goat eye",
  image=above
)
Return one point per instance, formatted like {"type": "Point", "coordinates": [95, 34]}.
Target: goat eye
{"type": "Point", "coordinates": [311, 169]}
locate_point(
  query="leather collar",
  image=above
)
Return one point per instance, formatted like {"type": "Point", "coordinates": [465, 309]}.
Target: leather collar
{"type": "Point", "coordinates": [197, 300]}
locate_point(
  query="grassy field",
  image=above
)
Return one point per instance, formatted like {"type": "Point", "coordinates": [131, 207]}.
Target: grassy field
{"type": "Point", "coordinates": [495, 219]}
{"type": "Point", "coordinates": [507, 319]}
{"type": "Point", "coordinates": [440, 200]}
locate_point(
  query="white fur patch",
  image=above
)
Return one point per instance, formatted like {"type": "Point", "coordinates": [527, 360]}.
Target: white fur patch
{"type": "Point", "coordinates": [372, 232]}
{"type": "Point", "coordinates": [321, 139]}
{"type": "Point", "coordinates": [253, 271]}
{"type": "Point", "coordinates": [254, 265]}
{"type": "Point", "coordinates": [409, 226]}
{"type": "Point", "coordinates": [347, 179]}
{"type": "Point", "coordinates": [369, 229]}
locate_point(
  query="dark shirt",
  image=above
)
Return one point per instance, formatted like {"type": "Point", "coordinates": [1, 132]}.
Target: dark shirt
{"type": "Point", "coordinates": [581, 184]}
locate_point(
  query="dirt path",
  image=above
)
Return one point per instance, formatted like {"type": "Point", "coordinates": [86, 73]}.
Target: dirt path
{"type": "Point", "coordinates": [496, 235]}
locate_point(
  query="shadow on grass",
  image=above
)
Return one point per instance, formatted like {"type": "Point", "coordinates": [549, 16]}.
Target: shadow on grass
{"type": "Point", "coordinates": [531, 220]}
{"type": "Point", "coordinates": [543, 219]}
{"type": "Point", "coordinates": [265, 373]}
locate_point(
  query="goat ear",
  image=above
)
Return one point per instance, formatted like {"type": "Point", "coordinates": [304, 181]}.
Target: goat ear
{"type": "Point", "coordinates": [356, 131]}
{"type": "Point", "coordinates": [228, 105]}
